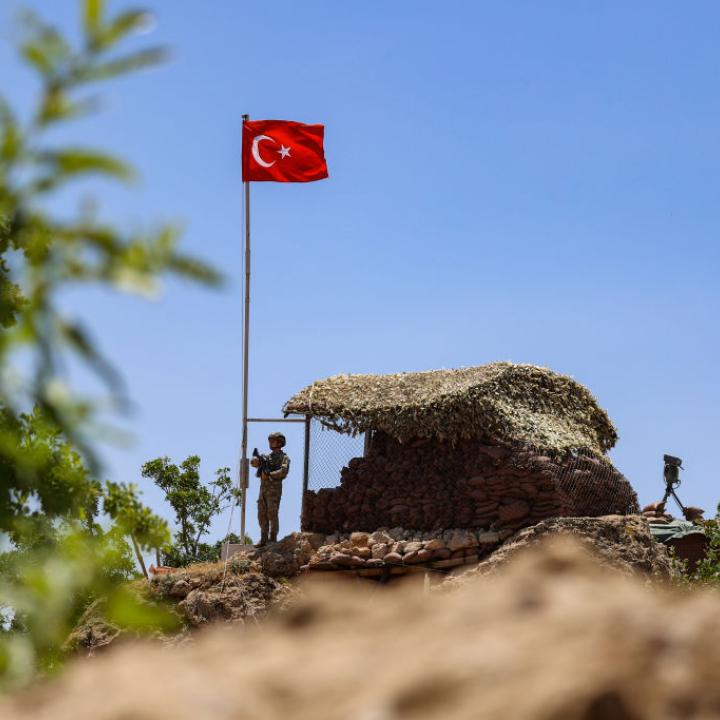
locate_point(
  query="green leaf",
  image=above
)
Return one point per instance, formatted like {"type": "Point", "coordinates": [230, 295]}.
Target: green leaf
{"type": "Point", "coordinates": [11, 135]}
{"type": "Point", "coordinates": [92, 20]}
{"type": "Point", "coordinates": [128, 611]}
{"type": "Point", "coordinates": [71, 162]}
{"type": "Point", "coordinates": [57, 106]}
{"type": "Point", "coordinates": [121, 66]}
{"type": "Point", "coordinates": [45, 48]}
{"type": "Point", "coordinates": [195, 269]}
{"type": "Point", "coordinates": [122, 25]}
{"type": "Point", "coordinates": [79, 340]}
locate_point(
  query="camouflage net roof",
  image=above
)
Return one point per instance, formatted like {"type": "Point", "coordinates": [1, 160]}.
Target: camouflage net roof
{"type": "Point", "coordinates": [502, 401]}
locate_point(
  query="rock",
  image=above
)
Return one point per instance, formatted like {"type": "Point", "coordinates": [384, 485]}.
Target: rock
{"type": "Point", "coordinates": [379, 537]}
{"type": "Point", "coordinates": [459, 539]}
{"type": "Point", "coordinates": [435, 544]}
{"type": "Point", "coordinates": [319, 565]}
{"type": "Point", "coordinates": [656, 507]}
{"type": "Point", "coordinates": [623, 542]}
{"type": "Point", "coordinates": [393, 558]}
{"type": "Point", "coordinates": [359, 539]}
{"type": "Point", "coordinates": [180, 589]}
{"type": "Point", "coordinates": [412, 547]}
{"type": "Point", "coordinates": [488, 538]}
{"type": "Point", "coordinates": [341, 559]}
{"type": "Point", "coordinates": [379, 551]}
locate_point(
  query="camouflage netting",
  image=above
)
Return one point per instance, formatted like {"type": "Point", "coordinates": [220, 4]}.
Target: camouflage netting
{"type": "Point", "coordinates": [505, 402]}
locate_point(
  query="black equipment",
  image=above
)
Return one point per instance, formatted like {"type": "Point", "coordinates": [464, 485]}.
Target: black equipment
{"type": "Point", "coordinates": [673, 466]}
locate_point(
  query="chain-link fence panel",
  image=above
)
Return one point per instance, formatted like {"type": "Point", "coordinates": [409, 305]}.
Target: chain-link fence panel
{"type": "Point", "coordinates": [594, 486]}
{"type": "Point", "coordinates": [329, 452]}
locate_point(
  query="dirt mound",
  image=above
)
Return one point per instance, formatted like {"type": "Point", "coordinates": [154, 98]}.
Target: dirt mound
{"type": "Point", "coordinates": [198, 595]}
{"type": "Point", "coordinates": [552, 636]}
{"type": "Point", "coordinates": [623, 542]}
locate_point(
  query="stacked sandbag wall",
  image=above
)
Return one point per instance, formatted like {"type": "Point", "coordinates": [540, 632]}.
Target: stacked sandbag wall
{"type": "Point", "coordinates": [430, 485]}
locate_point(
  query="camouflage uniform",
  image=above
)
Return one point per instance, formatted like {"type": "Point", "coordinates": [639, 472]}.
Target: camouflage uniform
{"type": "Point", "coordinates": [270, 494]}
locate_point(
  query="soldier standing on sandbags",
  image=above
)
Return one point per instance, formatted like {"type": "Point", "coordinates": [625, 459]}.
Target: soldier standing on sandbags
{"type": "Point", "coordinates": [272, 469]}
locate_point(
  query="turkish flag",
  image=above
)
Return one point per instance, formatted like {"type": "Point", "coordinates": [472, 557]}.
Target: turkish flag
{"type": "Point", "coordinates": [282, 151]}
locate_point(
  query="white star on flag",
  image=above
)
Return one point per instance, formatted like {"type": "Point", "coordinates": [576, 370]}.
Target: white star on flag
{"type": "Point", "coordinates": [283, 152]}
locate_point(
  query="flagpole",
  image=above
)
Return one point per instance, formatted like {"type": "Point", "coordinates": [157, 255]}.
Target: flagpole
{"type": "Point", "coordinates": [244, 465]}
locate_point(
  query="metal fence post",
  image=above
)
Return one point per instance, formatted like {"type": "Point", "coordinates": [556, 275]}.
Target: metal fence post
{"type": "Point", "coordinates": [306, 466]}
{"type": "Point", "coordinates": [366, 442]}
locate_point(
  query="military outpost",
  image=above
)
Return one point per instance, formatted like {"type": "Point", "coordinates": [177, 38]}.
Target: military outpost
{"type": "Point", "coordinates": [499, 445]}
{"type": "Point", "coordinates": [455, 462]}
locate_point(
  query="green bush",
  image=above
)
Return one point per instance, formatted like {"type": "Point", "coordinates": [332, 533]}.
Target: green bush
{"type": "Point", "coordinates": [56, 556]}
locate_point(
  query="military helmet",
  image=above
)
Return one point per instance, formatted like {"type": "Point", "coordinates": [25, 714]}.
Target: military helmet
{"type": "Point", "coordinates": [278, 436]}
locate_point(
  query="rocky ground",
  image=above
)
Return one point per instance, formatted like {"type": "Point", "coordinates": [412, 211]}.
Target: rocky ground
{"type": "Point", "coordinates": [622, 542]}
{"type": "Point", "coordinates": [198, 596]}
{"type": "Point", "coordinates": [553, 634]}
{"type": "Point", "coordinates": [270, 578]}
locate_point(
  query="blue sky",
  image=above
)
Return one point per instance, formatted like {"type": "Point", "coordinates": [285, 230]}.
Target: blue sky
{"type": "Point", "coordinates": [535, 182]}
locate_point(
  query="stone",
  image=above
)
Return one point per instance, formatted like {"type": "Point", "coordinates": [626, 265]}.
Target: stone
{"type": "Point", "coordinates": [379, 551]}
{"type": "Point", "coordinates": [435, 544]}
{"type": "Point", "coordinates": [379, 537]}
{"type": "Point", "coordinates": [460, 539]}
{"type": "Point", "coordinates": [180, 589]}
{"type": "Point", "coordinates": [359, 539]}
{"type": "Point", "coordinates": [341, 559]}
{"type": "Point", "coordinates": [393, 558]}
{"type": "Point", "coordinates": [362, 552]}
{"type": "Point", "coordinates": [488, 538]}
{"type": "Point", "coordinates": [320, 565]}
{"type": "Point", "coordinates": [412, 547]}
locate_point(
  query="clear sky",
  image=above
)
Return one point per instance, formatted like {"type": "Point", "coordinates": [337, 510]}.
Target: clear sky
{"type": "Point", "coordinates": [535, 182]}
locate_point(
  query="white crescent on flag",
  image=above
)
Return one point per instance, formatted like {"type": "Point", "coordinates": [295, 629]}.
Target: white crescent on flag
{"type": "Point", "coordinates": [256, 150]}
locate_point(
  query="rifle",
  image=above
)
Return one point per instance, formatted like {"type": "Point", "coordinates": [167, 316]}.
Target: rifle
{"type": "Point", "coordinates": [264, 467]}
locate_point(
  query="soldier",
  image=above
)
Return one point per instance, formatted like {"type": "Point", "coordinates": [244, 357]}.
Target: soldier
{"type": "Point", "coordinates": [272, 470]}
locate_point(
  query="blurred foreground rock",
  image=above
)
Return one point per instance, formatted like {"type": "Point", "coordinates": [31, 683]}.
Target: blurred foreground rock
{"type": "Point", "coordinates": [552, 635]}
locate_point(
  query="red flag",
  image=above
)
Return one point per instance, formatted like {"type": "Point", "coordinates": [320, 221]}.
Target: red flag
{"type": "Point", "coordinates": [282, 151]}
